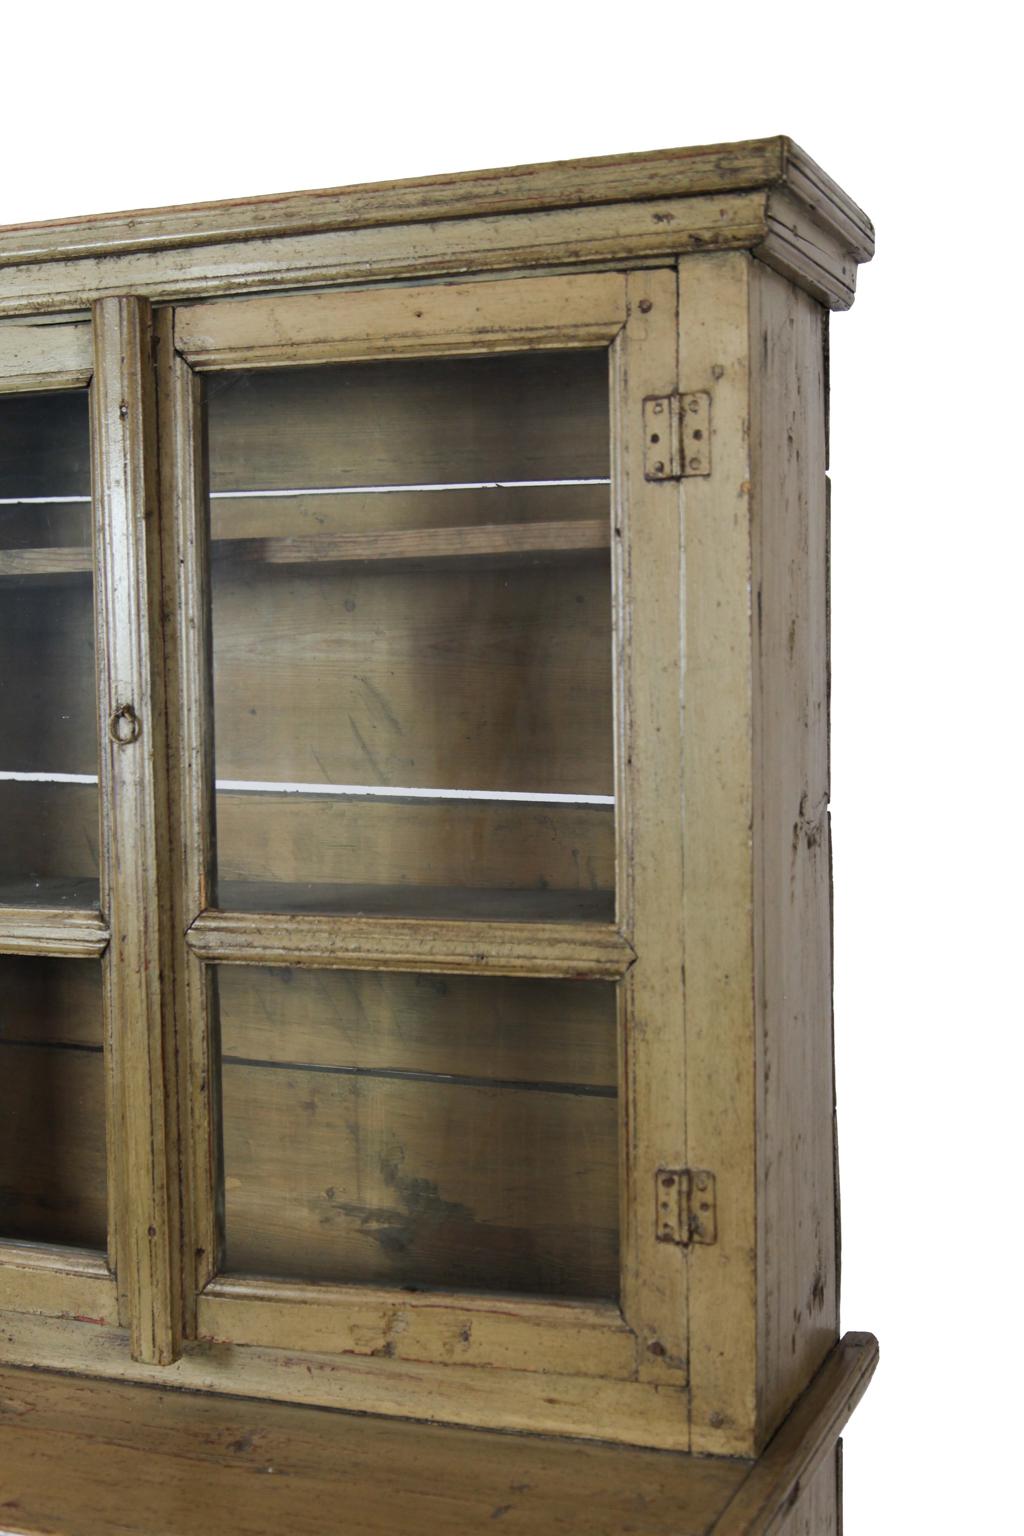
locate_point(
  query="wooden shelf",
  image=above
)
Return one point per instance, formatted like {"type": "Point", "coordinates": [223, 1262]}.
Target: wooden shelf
{"type": "Point", "coordinates": [398, 548]}
{"type": "Point", "coordinates": [99, 1456]}
{"type": "Point", "coordinates": [25, 564]}
{"type": "Point", "coordinates": [415, 546]}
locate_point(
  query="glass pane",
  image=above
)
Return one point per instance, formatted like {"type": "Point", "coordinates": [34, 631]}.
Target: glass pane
{"type": "Point", "coordinates": [53, 1177]}
{"type": "Point", "coordinates": [49, 813]}
{"type": "Point", "coordinates": [412, 637]}
{"type": "Point", "coordinates": [412, 1130]}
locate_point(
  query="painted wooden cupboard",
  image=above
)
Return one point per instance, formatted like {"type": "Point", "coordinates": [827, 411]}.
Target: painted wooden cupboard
{"type": "Point", "coordinates": [414, 847]}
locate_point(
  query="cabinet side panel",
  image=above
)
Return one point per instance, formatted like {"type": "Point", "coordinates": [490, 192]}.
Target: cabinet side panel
{"type": "Point", "coordinates": [714, 355]}
{"type": "Point", "coordinates": [818, 1511]}
{"type": "Point", "coordinates": [793, 961]}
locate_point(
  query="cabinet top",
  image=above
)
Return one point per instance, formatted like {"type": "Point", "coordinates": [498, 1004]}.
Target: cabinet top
{"type": "Point", "coordinates": [765, 195]}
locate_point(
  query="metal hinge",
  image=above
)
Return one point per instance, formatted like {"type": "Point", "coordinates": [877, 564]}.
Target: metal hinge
{"type": "Point", "coordinates": [686, 1210]}
{"type": "Point", "coordinates": [677, 436]}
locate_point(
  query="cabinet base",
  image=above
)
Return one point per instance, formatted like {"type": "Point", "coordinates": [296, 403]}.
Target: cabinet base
{"type": "Point", "coordinates": [99, 1457]}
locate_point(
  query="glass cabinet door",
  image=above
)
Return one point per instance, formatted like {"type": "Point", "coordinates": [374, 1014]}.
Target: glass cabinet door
{"type": "Point", "coordinates": [410, 527]}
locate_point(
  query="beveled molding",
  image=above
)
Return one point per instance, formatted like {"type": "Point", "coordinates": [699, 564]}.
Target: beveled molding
{"type": "Point", "coordinates": [763, 195]}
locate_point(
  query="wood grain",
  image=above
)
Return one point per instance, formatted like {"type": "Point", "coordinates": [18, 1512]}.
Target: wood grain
{"type": "Point", "coordinates": [768, 1502]}
{"type": "Point", "coordinates": [72, 1448]}
{"type": "Point", "coordinates": [40, 354]}
{"type": "Point", "coordinates": [635, 232]}
{"type": "Point", "coordinates": [48, 650]}
{"type": "Point", "coordinates": [42, 929]}
{"type": "Point", "coordinates": [718, 892]}
{"type": "Point", "coordinates": [649, 751]}
{"type": "Point", "coordinates": [694, 198]}
{"type": "Point", "coordinates": [425, 421]}
{"type": "Point", "coordinates": [694, 681]}
{"type": "Point", "coordinates": [47, 525]}
{"type": "Point", "coordinates": [53, 1182]}
{"type": "Point", "coordinates": [25, 563]}
{"type": "Point", "coordinates": [548, 1336]}
{"type": "Point", "coordinates": [135, 869]}
{"type": "Point", "coordinates": [586, 310]}
{"type": "Point", "coordinates": [458, 680]}
{"type": "Point", "coordinates": [486, 546]}
{"type": "Point", "coordinates": [543, 1031]}
{"type": "Point", "coordinates": [56, 1282]}
{"type": "Point", "coordinates": [44, 440]}
{"type": "Point", "coordinates": [367, 1178]}
{"type": "Point", "coordinates": [541, 1402]}
{"type": "Point", "coordinates": [381, 514]}
{"type": "Point", "coordinates": [503, 948]}
{"type": "Point", "coordinates": [188, 703]}
{"type": "Point", "coordinates": [51, 841]}
{"type": "Point", "coordinates": [46, 1001]}
{"type": "Point", "coordinates": [793, 939]}
{"type": "Point", "coordinates": [364, 853]}
{"type": "Point", "coordinates": [555, 184]}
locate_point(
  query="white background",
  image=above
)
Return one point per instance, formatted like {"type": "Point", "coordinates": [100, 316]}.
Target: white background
{"type": "Point", "coordinates": [912, 109]}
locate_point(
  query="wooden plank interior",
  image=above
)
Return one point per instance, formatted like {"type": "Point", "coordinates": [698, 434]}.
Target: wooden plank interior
{"type": "Point", "coordinates": [494, 543]}
{"type": "Point", "coordinates": [421, 422]}
{"type": "Point", "coordinates": [339, 1177]}
{"type": "Point", "coordinates": [302, 516]}
{"type": "Point", "coordinates": [48, 1002]}
{"type": "Point", "coordinates": [457, 680]}
{"type": "Point", "coordinates": [44, 444]}
{"type": "Point", "coordinates": [49, 853]}
{"type": "Point", "coordinates": [477, 1026]}
{"type": "Point", "coordinates": [52, 1112]}
{"type": "Point", "coordinates": [351, 1102]}
{"type": "Point", "coordinates": [392, 852]}
{"type": "Point", "coordinates": [48, 651]}
{"type": "Point", "coordinates": [50, 830]}
{"type": "Point", "coordinates": [45, 525]}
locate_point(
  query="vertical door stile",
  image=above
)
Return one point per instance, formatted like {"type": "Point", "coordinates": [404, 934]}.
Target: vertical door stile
{"type": "Point", "coordinates": [647, 545]}
{"type": "Point", "coordinates": [186, 633]}
{"type": "Point", "coordinates": [136, 833]}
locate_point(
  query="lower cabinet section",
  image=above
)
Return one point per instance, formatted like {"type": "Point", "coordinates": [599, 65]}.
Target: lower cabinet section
{"type": "Point", "coordinates": [100, 1457]}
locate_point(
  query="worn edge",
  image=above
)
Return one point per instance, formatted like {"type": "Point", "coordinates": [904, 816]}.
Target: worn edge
{"type": "Point", "coordinates": [394, 944]}
{"type": "Point", "coordinates": [806, 1437]}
